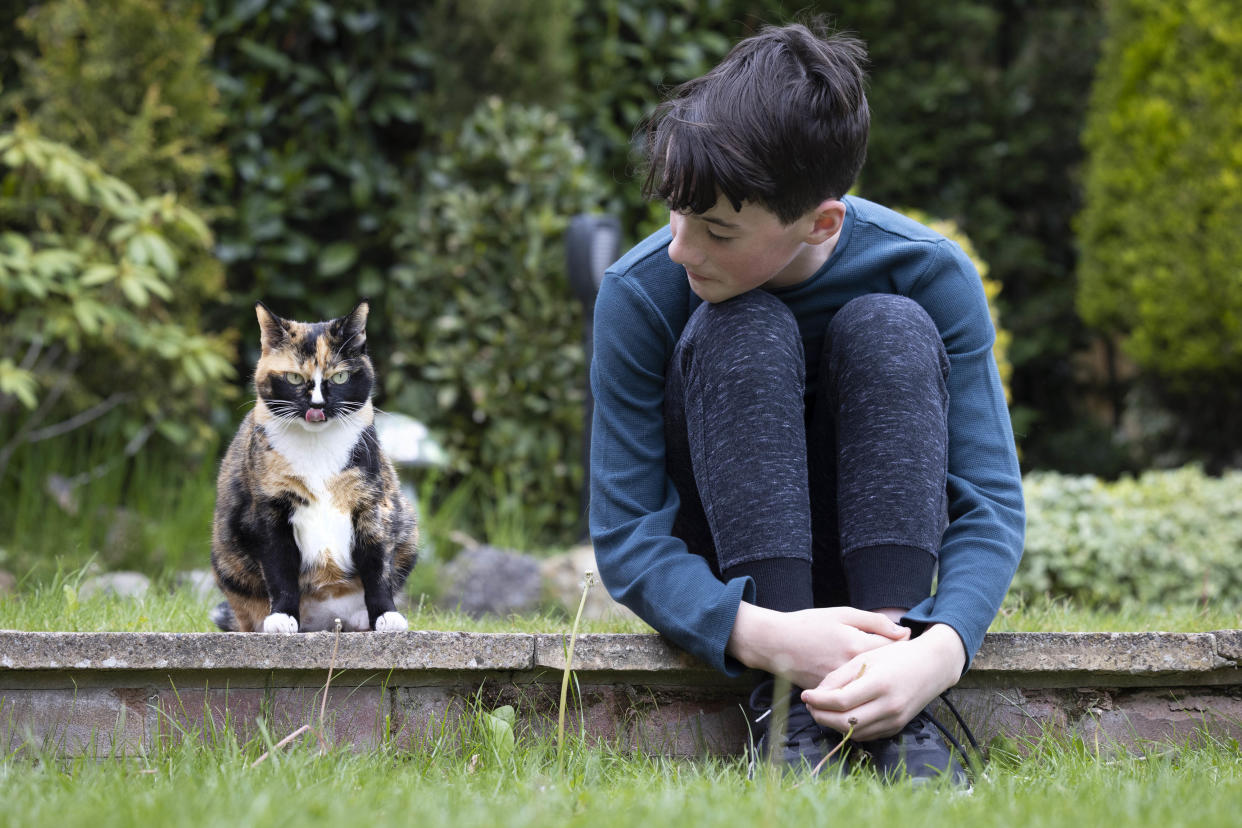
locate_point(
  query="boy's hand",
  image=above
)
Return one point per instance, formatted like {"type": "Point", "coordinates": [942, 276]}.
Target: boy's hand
{"type": "Point", "coordinates": [877, 692]}
{"type": "Point", "coordinates": [807, 645]}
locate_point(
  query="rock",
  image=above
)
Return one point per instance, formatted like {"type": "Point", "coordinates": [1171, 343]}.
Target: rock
{"type": "Point", "coordinates": [483, 580]}
{"type": "Point", "coordinates": [563, 577]}
{"type": "Point", "coordinates": [8, 582]}
{"type": "Point", "coordinates": [199, 582]}
{"type": "Point", "coordinates": [120, 584]}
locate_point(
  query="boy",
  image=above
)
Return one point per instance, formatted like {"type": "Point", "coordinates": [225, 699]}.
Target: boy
{"type": "Point", "coordinates": [798, 419]}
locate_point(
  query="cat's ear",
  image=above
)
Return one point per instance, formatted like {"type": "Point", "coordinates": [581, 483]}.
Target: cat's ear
{"type": "Point", "coordinates": [352, 329]}
{"type": "Point", "coordinates": [273, 330]}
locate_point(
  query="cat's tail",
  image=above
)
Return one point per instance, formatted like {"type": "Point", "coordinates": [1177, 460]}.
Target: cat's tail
{"type": "Point", "coordinates": [223, 617]}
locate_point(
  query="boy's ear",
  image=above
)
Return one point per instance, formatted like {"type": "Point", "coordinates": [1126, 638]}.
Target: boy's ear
{"type": "Point", "coordinates": [829, 216]}
{"type": "Point", "coordinates": [272, 329]}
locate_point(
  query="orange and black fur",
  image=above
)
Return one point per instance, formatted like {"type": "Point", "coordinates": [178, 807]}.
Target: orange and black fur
{"type": "Point", "coordinates": [310, 524]}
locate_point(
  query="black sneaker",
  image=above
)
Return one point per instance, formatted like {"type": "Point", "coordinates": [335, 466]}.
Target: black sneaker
{"type": "Point", "coordinates": [918, 752]}
{"type": "Point", "coordinates": [804, 744]}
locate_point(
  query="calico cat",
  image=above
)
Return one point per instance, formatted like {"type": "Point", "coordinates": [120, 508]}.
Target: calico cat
{"type": "Point", "coordinates": [310, 524]}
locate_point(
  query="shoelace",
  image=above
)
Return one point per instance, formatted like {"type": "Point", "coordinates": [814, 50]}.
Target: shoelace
{"type": "Point", "coordinates": [807, 722]}
{"type": "Point", "coordinates": [961, 722]}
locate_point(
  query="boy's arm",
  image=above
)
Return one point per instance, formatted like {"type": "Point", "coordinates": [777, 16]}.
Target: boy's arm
{"type": "Point", "coordinates": [633, 502]}
{"type": "Point", "coordinates": [982, 546]}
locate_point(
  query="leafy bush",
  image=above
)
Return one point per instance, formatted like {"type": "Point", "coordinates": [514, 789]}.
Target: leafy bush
{"type": "Point", "coordinates": [1166, 537]}
{"type": "Point", "coordinates": [88, 274]}
{"type": "Point", "coordinates": [324, 129]}
{"type": "Point", "coordinates": [107, 260]}
{"type": "Point", "coordinates": [491, 337]}
{"type": "Point", "coordinates": [1161, 267]}
{"type": "Point", "coordinates": [126, 84]}
{"type": "Point", "coordinates": [1162, 256]}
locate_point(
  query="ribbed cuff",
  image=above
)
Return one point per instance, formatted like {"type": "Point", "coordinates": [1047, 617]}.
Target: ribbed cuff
{"type": "Point", "coordinates": [782, 584]}
{"type": "Point", "coordinates": [888, 576]}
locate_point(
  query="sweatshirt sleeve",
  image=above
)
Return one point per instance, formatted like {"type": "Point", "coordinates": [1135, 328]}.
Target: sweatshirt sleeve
{"type": "Point", "coordinates": [633, 501]}
{"type": "Point", "coordinates": [982, 546]}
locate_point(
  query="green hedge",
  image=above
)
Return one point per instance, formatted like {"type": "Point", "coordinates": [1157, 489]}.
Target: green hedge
{"type": "Point", "coordinates": [1161, 268]}
{"type": "Point", "coordinates": [1162, 255]}
{"type": "Point", "coordinates": [1166, 537]}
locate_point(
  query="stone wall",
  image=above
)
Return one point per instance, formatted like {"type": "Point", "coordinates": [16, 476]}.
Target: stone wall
{"type": "Point", "coordinates": [104, 693]}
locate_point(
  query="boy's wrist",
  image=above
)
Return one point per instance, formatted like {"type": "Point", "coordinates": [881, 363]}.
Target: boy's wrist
{"type": "Point", "coordinates": [742, 643]}
{"type": "Point", "coordinates": [949, 649]}
{"type": "Point", "coordinates": [755, 633]}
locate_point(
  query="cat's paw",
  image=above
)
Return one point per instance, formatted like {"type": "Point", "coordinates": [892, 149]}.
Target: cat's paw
{"type": "Point", "coordinates": [391, 622]}
{"type": "Point", "coordinates": [359, 621]}
{"type": "Point", "coordinates": [279, 622]}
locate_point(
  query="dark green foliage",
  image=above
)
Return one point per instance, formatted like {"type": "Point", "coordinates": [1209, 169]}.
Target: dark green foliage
{"type": "Point", "coordinates": [518, 50]}
{"type": "Point", "coordinates": [322, 139]}
{"type": "Point", "coordinates": [1162, 255]}
{"type": "Point", "coordinates": [352, 174]}
{"type": "Point", "coordinates": [490, 335]}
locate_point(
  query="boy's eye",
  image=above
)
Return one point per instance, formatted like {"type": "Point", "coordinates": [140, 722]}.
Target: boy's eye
{"type": "Point", "coordinates": [294, 377]}
{"type": "Point", "coordinates": [340, 377]}
{"type": "Point", "coordinates": [714, 237]}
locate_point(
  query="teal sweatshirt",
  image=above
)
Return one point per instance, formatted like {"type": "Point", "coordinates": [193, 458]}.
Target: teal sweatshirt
{"type": "Point", "coordinates": [644, 303]}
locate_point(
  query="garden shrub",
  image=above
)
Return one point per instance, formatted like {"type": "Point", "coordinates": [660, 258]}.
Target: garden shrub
{"type": "Point", "coordinates": [1161, 266]}
{"type": "Point", "coordinates": [322, 140]}
{"type": "Point", "coordinates": [89, 274]}
{"type": "Point", "coordinates": [126, 84]}
{"type": "Point", "coordinates": [490, 334]}
{"type": "Point", "coordinates": [107, 255]}
{"type": "Point", "coordinates": [1165, 537]}
{"type": "Point", "coordinates": [1162, 256]}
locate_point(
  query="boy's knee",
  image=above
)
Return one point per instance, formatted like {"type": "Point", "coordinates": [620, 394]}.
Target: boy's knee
{"type": "Point", "coordinates": [886, 329]}
{"type": "Point", "coordinates": [755, 327]}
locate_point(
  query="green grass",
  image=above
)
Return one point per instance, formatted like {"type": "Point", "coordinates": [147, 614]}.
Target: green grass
{"type": "Point", "coordinates": [54, 604]}
{"type": "Point", "coordinates": [462, 780]}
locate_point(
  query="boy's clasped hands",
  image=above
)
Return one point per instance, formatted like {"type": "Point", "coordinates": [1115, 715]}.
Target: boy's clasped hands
{"type": "Point", "coordinates": [865, 674]}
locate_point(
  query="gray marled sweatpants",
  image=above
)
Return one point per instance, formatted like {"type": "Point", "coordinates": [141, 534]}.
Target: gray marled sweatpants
{"type": "Point", "coordinates": [831, 499]}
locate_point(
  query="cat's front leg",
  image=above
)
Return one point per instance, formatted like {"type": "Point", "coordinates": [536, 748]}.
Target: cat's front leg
{"type": "Point", "coordinates": [281, 563]}
{"type": "Point", "coordinates": [377, 591]}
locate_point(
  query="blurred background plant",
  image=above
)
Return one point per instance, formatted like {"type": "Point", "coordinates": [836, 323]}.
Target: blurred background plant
{"type": "Point", "coordinates": [169, 162]}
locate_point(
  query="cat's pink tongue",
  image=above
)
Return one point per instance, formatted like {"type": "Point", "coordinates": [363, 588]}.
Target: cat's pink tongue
{"type": "Point", "coordinates": [315, 415]}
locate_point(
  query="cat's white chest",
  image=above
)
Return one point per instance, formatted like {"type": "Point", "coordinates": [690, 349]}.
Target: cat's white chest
{"type": "Point", "coordinates": [322, 529]}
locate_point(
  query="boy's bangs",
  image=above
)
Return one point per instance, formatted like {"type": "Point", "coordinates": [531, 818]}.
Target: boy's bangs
{"type": "Point", "coordinates": [689, 175]}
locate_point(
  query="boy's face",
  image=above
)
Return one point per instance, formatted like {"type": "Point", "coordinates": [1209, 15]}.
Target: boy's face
{"type": "Point", "coordinates": [727, 252]}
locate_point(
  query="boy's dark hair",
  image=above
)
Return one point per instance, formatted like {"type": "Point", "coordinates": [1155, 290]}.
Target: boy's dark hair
{"type": "Point", "coordinates": [781, 121]}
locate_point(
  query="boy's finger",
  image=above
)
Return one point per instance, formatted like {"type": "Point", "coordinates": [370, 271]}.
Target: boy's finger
{"type": "Point", "coordinates": [837, 700]}
{"type": "Point", "coordinates": [831, 694]}
{"type": "Point", "coordinates": [874, 622]}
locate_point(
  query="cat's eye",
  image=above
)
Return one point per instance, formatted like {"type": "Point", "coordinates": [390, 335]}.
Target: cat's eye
{"type": "Point", "coordinates": [294, 377]}
{"type": "Point", "coordinates": [340, 377]}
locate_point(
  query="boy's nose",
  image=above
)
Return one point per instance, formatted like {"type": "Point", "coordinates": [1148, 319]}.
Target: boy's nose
{"type": "Point", "coordinates": [678, 249]}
